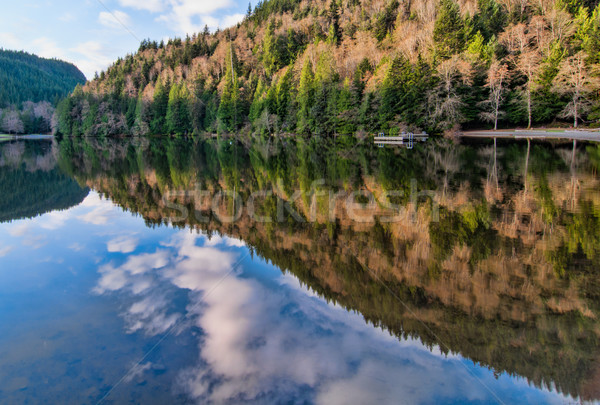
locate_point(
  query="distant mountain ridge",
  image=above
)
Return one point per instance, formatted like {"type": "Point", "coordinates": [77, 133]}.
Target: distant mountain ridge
{"type": "Point", "coordinates": [27, 77]}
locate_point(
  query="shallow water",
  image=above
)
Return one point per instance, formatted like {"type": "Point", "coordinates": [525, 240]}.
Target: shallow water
{"type": "Point", "coordinates": [121, 281]}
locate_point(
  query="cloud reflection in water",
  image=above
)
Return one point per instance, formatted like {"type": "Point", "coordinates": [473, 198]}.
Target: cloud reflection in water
{"type": "Point", "coordinates": [274, 341]}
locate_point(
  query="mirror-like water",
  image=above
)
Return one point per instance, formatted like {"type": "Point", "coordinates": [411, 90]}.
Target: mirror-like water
{"type": "Point", "coordinates": [301, 271]}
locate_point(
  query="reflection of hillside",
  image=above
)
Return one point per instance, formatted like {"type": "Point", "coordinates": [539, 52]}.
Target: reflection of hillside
{"type": "Point", "coordinates": [507, 277]}
{"type": "Point", "coordinates": [32, 184]}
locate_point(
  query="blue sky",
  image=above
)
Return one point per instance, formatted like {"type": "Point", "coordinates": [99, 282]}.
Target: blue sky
{"type": "Point", "coordinates": [91, 33]}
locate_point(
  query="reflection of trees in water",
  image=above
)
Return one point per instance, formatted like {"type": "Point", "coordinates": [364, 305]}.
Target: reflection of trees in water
{"type": "Point", "coordinates": [489, 161]}
{"type": "Point", "coordinates": [32, 184]}
{"type": "Point", "coordinates": [492, 279]}
{"type": "Point", "coordinates": [446, 159]}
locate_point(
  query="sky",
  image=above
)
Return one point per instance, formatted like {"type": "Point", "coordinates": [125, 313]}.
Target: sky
{"type": "Point", "coordinates": [94, 33]}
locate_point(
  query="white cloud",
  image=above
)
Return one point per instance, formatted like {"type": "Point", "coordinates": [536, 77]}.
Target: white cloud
{"type": "Point", "coordinates": [189, 16]}
{"type": "Point", "coordinates": [54, 220]}
{"type": "Point", "coordinates": [123, 244]}
{"type": "Point", "coordinates": [144, 262]}
{"type": "Point", "coordinates": [101, 212]}
{"type": "Point", "coordinates": [112, 279]}
{"type": "Point", "coordinates": [93, 56]}
{"type": "Point", "coordinates": [19, 230]}
{"type": "Point", "coordinates": [231, 20]}
{"type": "Point", "coordinates": [148, 5]}
{"type": "Point", "coordinates": [8, 40]}
{"type": "Point", "coordinates": [47, 48]}
{"type": "Point", "coordinates": [217, 240]}
{"type": "Point", "coordinates": [116, 19]}
{"type": "Point", "coordinates": [116, 278]}
{"type": "Point", "coordinates": [5, 250]}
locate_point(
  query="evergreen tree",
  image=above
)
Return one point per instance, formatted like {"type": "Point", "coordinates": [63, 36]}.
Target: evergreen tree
{"type": "Point", "coordinates": [178, 113]}
{"type": "Point", "coordinates": [335, 32]}
{"type": "Point", "coordinates": [269, 55]}
{"type": "Point", "coordinates": [160, 104]}
{"type": "Point", "coordinates": [305, 98]}
{"type": "Point", "coordinates": [284, 94]}
{"type": "Point", "coordinates": [448, 31]}
{"type": "Point", "coordinates": [386, 20]}
{"type": "Point", "coordinates": [228, 108]}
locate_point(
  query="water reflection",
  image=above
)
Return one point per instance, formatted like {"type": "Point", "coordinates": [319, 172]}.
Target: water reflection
{"type": "Point", "coordinates": [498, 300]}
{"type": "Point", "coordinates": [31, 182]}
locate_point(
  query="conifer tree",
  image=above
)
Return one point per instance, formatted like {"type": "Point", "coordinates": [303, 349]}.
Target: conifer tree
{"type": "Point", "coordinates": [160, 104]}
{"type": "Point", "coordinates": [448, 31]}
{"type": "Point", "coordinates": [335, 32]}
{"type": "Point", "coordinates": [305, 98]}
{"type": "Point", "coordinates": [284, 96]}
{"type": "Point", "coordinates": [178, 113]}
{"type": "Point", "coordinates": [228, 107]}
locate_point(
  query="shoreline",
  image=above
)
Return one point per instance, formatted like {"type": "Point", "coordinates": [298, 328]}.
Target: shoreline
{"type": "Point", "coordinates": [7, 137]}
{"type": "Point", "coordinates": [566, 134]}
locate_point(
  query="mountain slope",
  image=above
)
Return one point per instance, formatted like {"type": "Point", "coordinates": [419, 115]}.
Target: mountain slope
{"type": "Point", "coordinates": [27, 77]}
{"type": "Point", "coordinates": [338, 67]}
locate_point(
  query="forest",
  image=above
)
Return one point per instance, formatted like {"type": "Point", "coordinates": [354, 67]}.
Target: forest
{"type": "Point", "coordinates": [356, 66]}
{"type": "Point", "coordinates": [30, 88]}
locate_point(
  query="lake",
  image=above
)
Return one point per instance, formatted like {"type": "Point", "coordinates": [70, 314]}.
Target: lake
{"type": "Point", "coordinates": [326, 271]}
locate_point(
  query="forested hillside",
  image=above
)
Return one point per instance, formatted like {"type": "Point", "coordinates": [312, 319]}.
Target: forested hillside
{"type": "Point", "coordinates": [29, 88]}
{"type": "Point", "coordinates": [342, 66]}
{"type": "Point", "coordinates": [26, 77]}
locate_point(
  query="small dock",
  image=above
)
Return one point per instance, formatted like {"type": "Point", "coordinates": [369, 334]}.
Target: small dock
{"type": "Point", "coordinates": [406, 139]}
{"type": "Point", "coordinates": [575, 135]}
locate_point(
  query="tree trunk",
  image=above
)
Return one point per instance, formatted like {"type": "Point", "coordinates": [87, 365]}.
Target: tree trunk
{"type": "Point", "coordinates": [575, 111]}
{"type": "Point", "coordinates": [529, 108]}
{"type": "Point", "coordinates": [527, 163]}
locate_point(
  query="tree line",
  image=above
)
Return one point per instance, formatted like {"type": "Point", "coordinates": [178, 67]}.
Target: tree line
{"type": "Point", "coordinates": [340, 67]}
{"type": "Point", "coordinates": [30, 88]}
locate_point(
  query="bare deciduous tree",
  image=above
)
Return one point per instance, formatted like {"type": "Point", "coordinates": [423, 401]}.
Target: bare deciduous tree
{"type": "Point", "coordinates": [529, 64]}
{"type": "Point", "coordinates": [446, 103]}
{"type": "Point", "coordinates": [496, 81]}
{"type": "Point", "coordinates": [12, 122]}
{"type": "Point", "coordinates": [574, 79]}
{"type": "Point", "coordinates": [43, 110]}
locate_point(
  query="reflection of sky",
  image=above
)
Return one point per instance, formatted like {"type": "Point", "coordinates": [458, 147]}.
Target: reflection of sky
{"type": "Point", "coordinates": [87, 292]}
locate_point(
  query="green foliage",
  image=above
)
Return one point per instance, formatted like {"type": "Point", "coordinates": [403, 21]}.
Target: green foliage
{"type": "Point", "coordinates": [547, 103]}
{"type": "Point", "coordinates": [302, 80]}
{"type": "Point", "coordinates": [305, 99]}
{"type": "Point", "coordinates": [403, 92]}
{"type": "Point", "coordinates": [335, 32]}
{"type": "Point", "coordinates": [385, 22]}
{"type": "Point", "coordinates": [178, 113]}
{"type": "Point", "coordinates": [26, 77]}
{"type": "Point", "coordinates": [490, 20]}
{"type": "Point", "coordinates": [449, 29]}
{"type": "Point", "coordinates": [228, 114]}
{"type": "Point", "coordinates": [160, 105]}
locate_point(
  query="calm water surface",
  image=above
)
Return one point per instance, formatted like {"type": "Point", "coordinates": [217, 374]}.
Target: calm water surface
{"type": "Point", "coordinates": [107, 297]}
